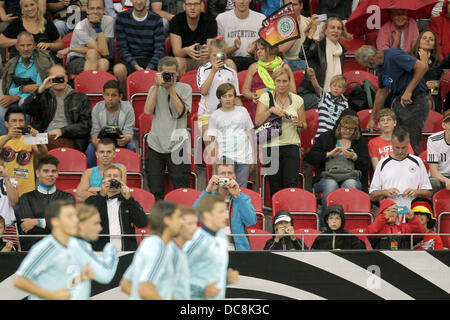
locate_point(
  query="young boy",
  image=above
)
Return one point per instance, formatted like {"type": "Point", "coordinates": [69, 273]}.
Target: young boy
{"type": "Point", "coordinates": [335, 221]}
{"type": "Point", "coordinates": [381, 147]}
{"type": "Point", "coordinates": [331, 103]}
{"type": "Point", "coordinates": [423, 209]}
{"type": "Point", "coordinates": [231, 126]}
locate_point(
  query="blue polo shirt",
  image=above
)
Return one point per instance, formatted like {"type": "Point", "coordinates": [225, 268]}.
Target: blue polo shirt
{"type": "Point", "coordinates": [397, 71]}
{"type": "Point", "coordinates": [23, 71]}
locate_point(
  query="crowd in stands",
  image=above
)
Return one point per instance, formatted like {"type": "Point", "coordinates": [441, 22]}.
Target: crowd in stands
{"type": "Point", "coordinates": [41, 110]}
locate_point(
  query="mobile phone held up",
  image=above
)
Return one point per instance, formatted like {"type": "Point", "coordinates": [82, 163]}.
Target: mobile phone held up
{"type": "Point", "coordinates": [401, 210]}
{"type": "Point", "coordinates": [58, 80]}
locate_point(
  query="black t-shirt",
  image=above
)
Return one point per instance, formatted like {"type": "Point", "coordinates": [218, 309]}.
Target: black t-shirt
{"type": "Point", "coordinates": [50, 33]}
{"type": "Point", "coordinates": [13, 6]}
{"type": "Point", "coordinates": [206, 29]}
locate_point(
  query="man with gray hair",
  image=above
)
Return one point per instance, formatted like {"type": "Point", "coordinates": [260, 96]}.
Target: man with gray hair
{"type": "Point", "coordinates": [403, 75]}
{"type": "Point", "coordinates": [168, 102]}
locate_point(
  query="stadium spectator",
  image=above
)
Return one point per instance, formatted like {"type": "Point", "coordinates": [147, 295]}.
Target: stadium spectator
{"type": "Point", "coordinates": [331, 103]}
{"type": "Point", "coordinates": [9, 199]}
{"type": "Point", "coordinates": [335, 237]}
{"type": "Point", "coordinates": [230, 129]}
{"type": "Point", "coordinates": [92, 179]}
{"type": "Point", "coordinates": [148, 278]}
{"type": "Point", "coordinates": [341, 158]}
{"type": "Point", "coordinates": [259, 76]}
{"type": "Point", "coordinates": [239, 28]}
{"type": "Point", "coordinates": [290, 50]}
{"type": "Point", "coordinates": [440, 26]}
{"type": "Point", "coordinates": [400, 177]}
{"type": "Point", "coordinates": [44, 32]}
{"type": "Point", "coordinates": [325, 56]}
{"type": "Point", "coordinates": [403, 75]}
{"type": "Point", "coordinates": [60, 111]}
{"type": "Point", "coordinates": [22, 74]}
{"type": "Point", "coordinates": [180, 263]}
{"type": "Point", "coordinates": [215, 7]}
{"type": "Point", "coordinates": [167, 9]}
{"type": "Point", "coordinates": [284, 239]}
{"type": "Point", "coordinates": [169, 102]}
{"type": "Point", "coordinates": [400, 31]}
{"type": "Point", "coordinates": [207, 252]}
{"type": "Point", "coordinates": [120, 213]}
{"type": "Point", "coordinates": [190, 33]}
{"type": "Point", "coordinates": [90, 45]}
{"type": "Point", "coordinates": [140, 41]}
{"type": "Point", "coordinates": [423, 209]}
{"type": "Point", "coordinates": [19, 158]}
{"type": "Point", "coordinates": [282, 154]}
{"type": "Point", "coordinates": [240, 205]}
{"type": "Point", "coordinates": [109, 113]}
{"type": "Point", "coordinates": [381, 147]}
{"type": "Point", "coordinates": [32, 219]}
{"type": "Point", "coordinates": [65, 14]}
{"type": "Point", "coordinates": [5, 245]}
{"type": "Point", "coordinates": [438, 156]}
{"type": "Point", "coordinates": [50, 268]}
{"type": "Point", "coordinates": [391, 225]}
{"type": "Point", "coordinates": [426, 49]}
{"type": "Point", "coordinates": [209, 77]}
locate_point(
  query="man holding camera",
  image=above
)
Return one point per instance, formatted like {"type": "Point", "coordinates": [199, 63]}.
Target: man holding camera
{"type": "Point", "coordinates": [119, 212]}
{"type": "Point", "coordinates": [168, 102]}
{"type": "Point", "coordinates": [60, 111]}
{"type": "Point", "coordinates": [241, 213]}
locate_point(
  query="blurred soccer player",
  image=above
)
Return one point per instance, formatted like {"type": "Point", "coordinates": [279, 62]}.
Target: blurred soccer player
{"type": "Point", "coordinates": [50, 269]}
{"type": "Point", "coordinates": [104, 268]}
{"type": "Point", "coordinates": [151, 274]}
{"type": "Point", "coordinates": [208, 251]}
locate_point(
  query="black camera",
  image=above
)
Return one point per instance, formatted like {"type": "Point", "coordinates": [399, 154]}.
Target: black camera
{"type": "Point", "coordinates": [58, 80]}
{"type": "Point", "coordinates": [114, 184]}
{"type": "Point", "coordinates": [167, 77]}
{"type": "Point", "coordinates": [25, 130]}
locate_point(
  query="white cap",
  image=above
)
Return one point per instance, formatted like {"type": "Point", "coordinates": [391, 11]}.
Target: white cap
{"type": "Point", "coordinates": [283, 218]}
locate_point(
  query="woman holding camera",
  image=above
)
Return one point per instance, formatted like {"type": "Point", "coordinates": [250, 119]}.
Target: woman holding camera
{"type": "Point", "coordinates": [259, 75]}
{"type": "Point", "coordinates": [282, 154]}
{"type": "Point", "coordinates": [283, 227]}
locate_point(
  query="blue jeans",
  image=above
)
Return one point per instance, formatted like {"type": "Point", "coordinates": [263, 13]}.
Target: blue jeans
{"type": "Point", "coordinates": [242, 170]}
{"type": "Point", "coordinates": [92, 158]}
{"type": "Point", "coordinates": [296, 64]}
{"type": "Point", "coordinates": [326, 186]}
{"type": "Point", "coordinates": [62, 27]}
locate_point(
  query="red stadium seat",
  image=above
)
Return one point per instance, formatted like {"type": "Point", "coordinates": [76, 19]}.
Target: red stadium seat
{"type": "Point", "coordinates": [168, 45]}
{"type": "Point", "coordinates": [299, 75]}
{"type": "Point", "coordinates": [91, 83]}
{"type": "Point", "coordinates": [362, 237]}
{"type": "Point", "coordinates": [313, 7]}
{"type": "Point", "coordinates": [307, 136]}
{"type": "Point", "coordinates": [352, 45]}
{"type": "Point", "coordinates": [423, 156]}
{"type": "Point", "coordinates": [132, 161]}
{"type": "Point", "coordinates": [66, 43]}
{"type": "Point", "coordinates": [257, 238]}
{"type": "Point", "coordinates": [72, 192]}
{"type": "Point", "coordinates": [145, 125]}
{"type": "Point", "coordinates": [241, 77]}
{"type": "Point", "coordinates": [190, 78]}
{"type": "Point", "coordinates": [183, 196]}
{"type": "Point", "coordinates": [441, 208]}
{"type": "Point", "coordinates": [432, 125]}
{"type": "Point", "coordinates": [301, 203]}
{"type": "Point", "coordinates": [146, 200]}
{"type": "Point", "coordinates": [364, 117]}
{"type": "Point", "coordinates": [72, 164]}
{"type": "Point", "coordinates": [445, 86]}
{"type": "Point", "coordinates": [371, 38]}
{"type": "Point", "coordinates": [308, 235]}
{"type": "Point", "coordinates": [257, 203]}
{"type": "Point", "coordinates": [138, 85]}
{"type": "Point", "coordinates": [357, 206]}
{"type": "Point", "coordinates": [355, 77]}
{"type": "Point", "coordinates": [350, 64]}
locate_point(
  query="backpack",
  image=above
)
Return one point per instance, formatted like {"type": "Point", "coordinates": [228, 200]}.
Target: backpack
{"type": "Point", "coordinates": [362, 96]}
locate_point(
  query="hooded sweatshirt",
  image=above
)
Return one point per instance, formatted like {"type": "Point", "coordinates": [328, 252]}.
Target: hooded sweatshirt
{"type": "Point", "coordinates": [331, 239]}
{"type": "Point", "coordinates": [286, 243]}
{"type": "Point", "coordinates": [441, 25]}
{"type": "Point", "coordinates": [380, 225]}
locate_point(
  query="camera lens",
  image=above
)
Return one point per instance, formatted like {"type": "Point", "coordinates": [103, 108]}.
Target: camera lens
{"type": "Point", "coordinates": [167, 77]}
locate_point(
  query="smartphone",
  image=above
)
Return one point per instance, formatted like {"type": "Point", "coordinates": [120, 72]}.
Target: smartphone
{"type": "Point", "coordinates": [402, 210]}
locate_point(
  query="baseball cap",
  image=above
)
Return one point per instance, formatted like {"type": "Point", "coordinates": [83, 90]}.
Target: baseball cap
{"type": "Point", "coordinates": [446, 115]}
{"type": "Point", "coordinates": [283, 218]}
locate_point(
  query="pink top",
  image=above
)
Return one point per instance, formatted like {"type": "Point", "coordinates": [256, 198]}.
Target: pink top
{"type": "Point", "coordinates": [409, 36]}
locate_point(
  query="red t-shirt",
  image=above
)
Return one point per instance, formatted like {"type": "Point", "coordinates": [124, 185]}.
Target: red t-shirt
{"type": "Point", "coordinates": [432, 241]}
{"type": "Point", "coordinates": [380, 148]}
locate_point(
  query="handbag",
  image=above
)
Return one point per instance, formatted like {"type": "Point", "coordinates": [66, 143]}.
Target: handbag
{"type": "Point", "coordinates": [339, 168]}
{"type": "Point", "coordinates": [271, 127]}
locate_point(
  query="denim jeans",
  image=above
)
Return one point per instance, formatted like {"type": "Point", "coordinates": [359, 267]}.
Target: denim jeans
{"type": "Point", "coordinates": [296, 64]}
{"type": "Point", "coordinates": [326, 186]}
{"type": "Point", "coordinates": [62, 27]}
{"type": "Point", "coordinates": [92, 158]}
{"type": "Point", "coordinates": [242, 170]}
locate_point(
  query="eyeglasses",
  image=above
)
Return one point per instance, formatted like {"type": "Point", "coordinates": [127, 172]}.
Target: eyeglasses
{"type": "Point", "coordinates": [195, 4]}
{"type": "Point", "coordinates": [348, 128]}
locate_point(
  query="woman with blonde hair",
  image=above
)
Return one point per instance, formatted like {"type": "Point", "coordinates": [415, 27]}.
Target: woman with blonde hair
{"type": "Point", "coordinates": [32, 20]}
{"type": "Point", "coordinates": [325, 56]}
{"type": "Point", "coordinates": [289, 107]}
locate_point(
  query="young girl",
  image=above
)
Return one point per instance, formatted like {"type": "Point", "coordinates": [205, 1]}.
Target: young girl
{"type": "Point", "coordinates": [230, 129]}
{"type": "Point", "coordinates": [209, 77]}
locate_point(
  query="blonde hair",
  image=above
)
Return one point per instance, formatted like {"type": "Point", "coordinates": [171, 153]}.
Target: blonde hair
{"type": "Point", "coordinates": [218, 44]}
{"type": "Point", "coordinates": [85, 212]}
{"type": "Point", "coordinates": [386, 112]}
{"type": "Point", "coordinates": [279, 72]}
{"type": "Point", "coordinates": [40, 19]}
{"type": "Point", "coordinates": [339, 79]}
{"type": "Point", "coordinates": [345, 33]}
{"type": "Point", "coordinates": [352, 121]}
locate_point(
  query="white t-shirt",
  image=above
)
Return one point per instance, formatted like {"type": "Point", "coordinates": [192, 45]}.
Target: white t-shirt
{"type": "Point", "coordinates": [208, 104]}
{"type": "Point", "coordinates": [407, 173]}
{"type": "Point", "coordinates": [85, 33]}
{"type": "Point", "coordinates": [230, 129]}
{"type": "Point", "coordinates": [6, 210]}
{"type": "Point", "coordinates": [229, 27]}
{"type": "Point", "coordinates": [438, 152]}
{"type": "Point", "coordinates": [114, 222]}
